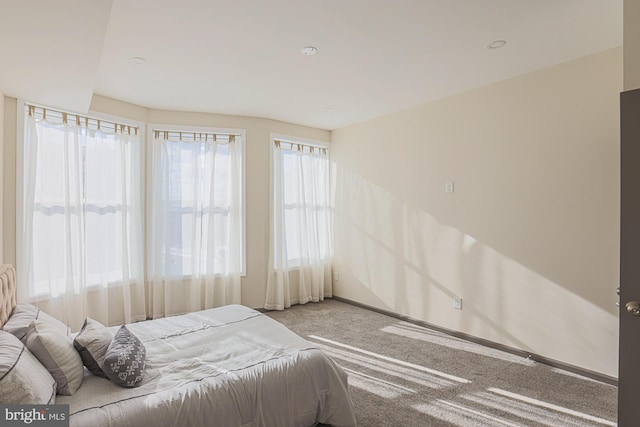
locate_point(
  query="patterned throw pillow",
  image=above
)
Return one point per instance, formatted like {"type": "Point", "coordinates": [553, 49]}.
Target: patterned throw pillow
{"type": "Point", "coordinates": [125, 359]}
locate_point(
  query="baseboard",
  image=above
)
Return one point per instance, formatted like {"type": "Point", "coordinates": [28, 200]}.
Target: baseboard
{"type": "Point", "coordinates": [525, 354]}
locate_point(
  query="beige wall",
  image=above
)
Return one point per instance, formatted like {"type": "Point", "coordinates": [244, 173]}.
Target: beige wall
{"type": "Point", "coordinates": [631, 44]}
{"type": "Point", "coordinates": [9, 184]}
{"type": "Point", "coordinates": [257, 175]}
{"type": "Point", "coordinates": [529, 239]}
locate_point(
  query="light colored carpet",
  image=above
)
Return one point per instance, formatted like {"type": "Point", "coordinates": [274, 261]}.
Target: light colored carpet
{"type": "Point", "coordinates": [403, 375]}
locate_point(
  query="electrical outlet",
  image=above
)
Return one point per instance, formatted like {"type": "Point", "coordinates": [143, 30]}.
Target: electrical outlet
{"type": "Point", "coordinates": [336, 276]}
{"type": "Point", "coordinates": [457, 303]}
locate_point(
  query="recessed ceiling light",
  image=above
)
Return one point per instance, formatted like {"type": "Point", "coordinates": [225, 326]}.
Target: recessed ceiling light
{"type": "Point", "coordinates": [496, 44]}
{"type": "Point", "coordinates": [138, 60]}
{"type": "Point", "coordinates": [309, 50]}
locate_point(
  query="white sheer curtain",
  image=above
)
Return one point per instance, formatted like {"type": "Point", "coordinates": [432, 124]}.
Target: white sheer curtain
{"type": "Point", "coordinates": [81, 233]}
{"type": "Point", "coordinates": [300, 246]}
{"type": "Point", "coordinates": [194, 233]}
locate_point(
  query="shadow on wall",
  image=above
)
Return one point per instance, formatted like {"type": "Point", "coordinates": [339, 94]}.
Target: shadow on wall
{"type": "Point", "coordinates": [395, 256]}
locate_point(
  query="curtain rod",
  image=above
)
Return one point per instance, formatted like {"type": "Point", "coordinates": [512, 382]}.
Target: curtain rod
{"type": "Point", "coordinates": [80, 120]}
{"type": "Point", "coordinates": [299, 146]}
{"type": "Point", "coordinates": [188, 136]}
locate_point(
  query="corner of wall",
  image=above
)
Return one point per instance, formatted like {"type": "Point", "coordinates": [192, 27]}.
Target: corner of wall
{"type": "Point", "coordinates": [8, 167]}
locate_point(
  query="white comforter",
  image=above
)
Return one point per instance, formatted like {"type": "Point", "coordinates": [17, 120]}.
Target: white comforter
{"type": "Point", "coordinates": [229, 366]}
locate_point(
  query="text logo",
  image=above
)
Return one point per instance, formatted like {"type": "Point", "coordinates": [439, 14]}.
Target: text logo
{"type": "Point", "coordinates": [34, 415]}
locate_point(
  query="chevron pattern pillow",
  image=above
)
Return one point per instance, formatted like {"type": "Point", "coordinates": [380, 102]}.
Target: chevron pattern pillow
{"type": "Point", "coordinates": [124, 360]}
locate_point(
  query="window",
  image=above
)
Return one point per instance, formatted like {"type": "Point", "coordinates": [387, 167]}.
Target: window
{"type": "Point", "coordinates": [300, 249]}
{"type": "Point", "coordinates": [81, 204]}
{"type": "Point", "coordinates": [197, 218]}
{"type": "Point", "coordinates": [305, 207]}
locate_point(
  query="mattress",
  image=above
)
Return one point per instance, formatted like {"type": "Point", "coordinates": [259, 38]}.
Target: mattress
{"type": "Point", "coordinates": [228, 366]}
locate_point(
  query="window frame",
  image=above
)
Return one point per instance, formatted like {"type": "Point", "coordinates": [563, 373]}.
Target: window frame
{"type": "Point", "coordinates": [148, 155]}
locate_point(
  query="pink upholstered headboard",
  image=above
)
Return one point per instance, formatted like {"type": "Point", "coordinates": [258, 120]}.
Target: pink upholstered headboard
{"type": "Point", "coordinates": [7, 292]}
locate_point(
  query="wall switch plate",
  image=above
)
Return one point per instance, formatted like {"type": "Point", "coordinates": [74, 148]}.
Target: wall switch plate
{"type": "Point", "coordinates": [336, 276]}
{"type": "Point", "coordinates": [457, 303]}
{"type": "Point", "coordinates": [448, 187]}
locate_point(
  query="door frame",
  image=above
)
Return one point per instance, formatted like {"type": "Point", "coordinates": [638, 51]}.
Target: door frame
{"type": "Point", "coordinates": [628, 342]}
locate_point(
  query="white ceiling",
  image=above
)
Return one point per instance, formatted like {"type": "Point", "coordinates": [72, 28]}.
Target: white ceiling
{"type": "Point", "coordinates": [244, 56]}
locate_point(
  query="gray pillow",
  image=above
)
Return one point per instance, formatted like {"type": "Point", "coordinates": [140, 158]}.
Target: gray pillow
{"type": "Point", "coordinates": [92, 343]}
{"type": "Point", "coordinates": [23, 380]}
{"type": "Point", "coordinates": [125, 359]}
{"type": "Point", "coordinates": [56, 353]}
{"type": "Point", "coordinates": [24, 315]}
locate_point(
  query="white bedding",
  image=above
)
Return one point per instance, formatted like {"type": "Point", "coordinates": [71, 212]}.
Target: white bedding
{"type": "Point", "coordinates": [229, 366]}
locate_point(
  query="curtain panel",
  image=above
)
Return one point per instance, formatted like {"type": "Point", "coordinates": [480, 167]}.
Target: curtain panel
{"type": "Point", "coordinates": [81, 235]}
{"type": "Point", "coordinates": [300, 245]}
{"type": "Point", "coordinates": [194, 224]}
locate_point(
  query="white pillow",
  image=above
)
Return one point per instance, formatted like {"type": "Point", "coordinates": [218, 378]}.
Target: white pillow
{"type": "Point", "coordinates": [56, 353]}
{"type": "Point", "coordinates": [92, 342]}
{"type": "Point", "coordinates": [23, 380]}
{"type": "Point", "coordinates": [24, 314]}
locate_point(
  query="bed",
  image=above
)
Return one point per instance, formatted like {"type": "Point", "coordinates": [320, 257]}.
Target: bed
{"type": "Point", "coordinates": [228, 366]}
